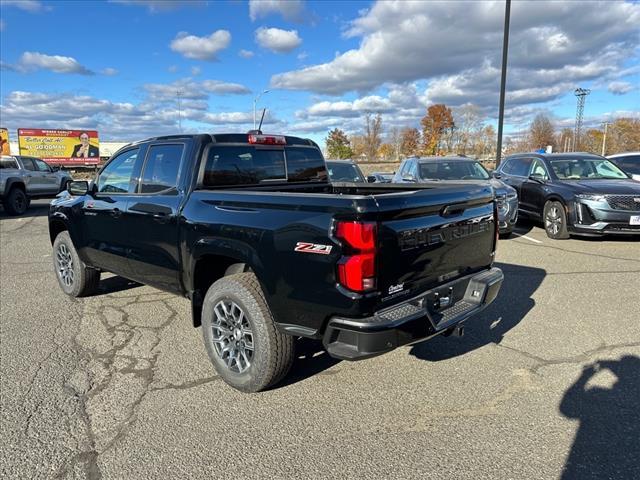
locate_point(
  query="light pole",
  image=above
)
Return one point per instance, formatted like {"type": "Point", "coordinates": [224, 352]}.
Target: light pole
{"type": "Point", "coordinates": [604, 138]}
{"type": "Point", "coordinates": [179, 94]}
{"type": "Point", "coordinates": [255, 101]}
{"type": "Point", "coordinates": [503, 78]}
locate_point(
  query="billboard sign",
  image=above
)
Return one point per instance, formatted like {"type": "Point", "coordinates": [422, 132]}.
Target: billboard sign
{"type": "Point", "coordinates": [60, 147]}
{"type": "Point", "coordinates": [4, 142]}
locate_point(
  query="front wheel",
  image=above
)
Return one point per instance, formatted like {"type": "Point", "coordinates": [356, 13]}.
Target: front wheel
{"type": "Point", "coordinates": [241, 337]}
{"type": "Point", "coordinates": [74, 277]}
{"type": "Point", "coordinates": [555, 220]}
{"type": "Point", "coordinates": [17, 202]}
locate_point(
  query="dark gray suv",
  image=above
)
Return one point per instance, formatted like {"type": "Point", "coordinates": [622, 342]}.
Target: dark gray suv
{"type": "Point", "coordinates": [574, 193]}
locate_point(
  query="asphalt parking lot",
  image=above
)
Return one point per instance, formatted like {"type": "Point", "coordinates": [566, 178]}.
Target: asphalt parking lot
{"type": "Point", "coordinates": [545, 383]}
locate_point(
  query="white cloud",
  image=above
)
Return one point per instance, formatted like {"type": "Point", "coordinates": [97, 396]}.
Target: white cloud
{"type": "Point", "coordinates": [277, 40]}
{"type": "Point", "coordinates": [620, 88]}
{"type": "Point", "coordinates": [408, 41]}
{"type": "Point", "coordinates": [246, 53]}
{"type": "Point", "coordinates": [110, 72]}
{"type": "Point", "coordinates": [32, 6]}
{"type": "Point", "coordinates": [201, 48]}
{"type": "Point", "coordinates": [33, 61]}
{"type": "Point", "coordinates": [118, 120]}
{"type": "Point", "coordinates": [291, 10]}
{"type": "Point", "coordinates": [173, 68]}
{"type": "Point", "coordinates": [195, 71]}
{"type": "Point", "coordinates": [191, 90]}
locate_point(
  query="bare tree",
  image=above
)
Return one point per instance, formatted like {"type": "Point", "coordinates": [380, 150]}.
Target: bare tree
{"type": "Point", "coordinates": [395, 140]}
{"type": "Point", "coordinates": [468, 120]}
{"type": "Point", "coordinates": [542, 132]}
{"type": "Point", "coordinates": [372, 136]}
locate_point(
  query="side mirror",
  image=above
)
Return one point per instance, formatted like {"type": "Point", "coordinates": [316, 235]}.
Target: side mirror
{"type": "Point", "coordinates": [371, 179]}
{"type": "Point", "coordinates": [538, 178]}
{"type": "Point", "coordinates": [496, 175]}
{"type": "Point", "coordinates": [409, 178]}
{"type": "Point", "coordinates": [55, 168]}
{"type": "Point", "coordinates": [80, 187]}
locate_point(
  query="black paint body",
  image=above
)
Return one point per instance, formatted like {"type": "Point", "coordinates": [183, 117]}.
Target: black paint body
{"type": "Point", "coordinates": [159, 239]}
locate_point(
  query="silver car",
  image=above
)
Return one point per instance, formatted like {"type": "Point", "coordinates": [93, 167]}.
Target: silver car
{"type": "Point", "coordinates": [25, 178]}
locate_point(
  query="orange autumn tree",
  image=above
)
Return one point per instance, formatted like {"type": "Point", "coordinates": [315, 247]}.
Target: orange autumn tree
{"type": "Point", "coordinates": [435, 124]}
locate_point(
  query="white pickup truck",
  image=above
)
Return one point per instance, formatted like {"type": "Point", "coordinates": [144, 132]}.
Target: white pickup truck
{"type": "Point", "coordinates": [24, 178]}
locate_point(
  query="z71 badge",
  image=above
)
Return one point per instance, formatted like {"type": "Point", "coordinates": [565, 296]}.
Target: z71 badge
{"type": "Point", "coordinates": [313, 248]}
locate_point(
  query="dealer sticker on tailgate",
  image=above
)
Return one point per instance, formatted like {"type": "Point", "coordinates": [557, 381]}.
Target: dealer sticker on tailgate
{"type": "Point", "coordinates": [634, 220]}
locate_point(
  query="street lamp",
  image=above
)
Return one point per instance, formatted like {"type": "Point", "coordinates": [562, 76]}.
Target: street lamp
{"type": "Point", "coordinates": [255, 100]}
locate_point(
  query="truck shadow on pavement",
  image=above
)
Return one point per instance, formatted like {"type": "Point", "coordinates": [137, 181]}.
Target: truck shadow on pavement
{"type": "Point", "coordinates": [311, 359]}
{"type": "Point", "coordinates": [507, 310]}
{"type": "Point", "coordinates": [115, 284]}
{"type": "Point", "coordinates": [607, 444]}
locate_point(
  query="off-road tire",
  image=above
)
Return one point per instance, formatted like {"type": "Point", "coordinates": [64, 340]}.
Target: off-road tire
{"type": "Point", "coordinates": [273, 351]}
{"type": "Point", "coordinates": [554, 218]}
{"type": "Point", "coordinates": [16, 202]}
{"type": "Point", "coordinates": [85, 279]}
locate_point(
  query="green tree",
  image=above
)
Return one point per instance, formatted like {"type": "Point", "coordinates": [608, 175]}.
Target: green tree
{"type": "Point", "coordinates": [338, 145]}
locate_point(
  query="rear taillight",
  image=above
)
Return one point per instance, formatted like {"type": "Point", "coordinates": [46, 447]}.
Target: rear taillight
{"type": "Point", "coordinates": [267, 139]}
{"type": "Point", "coordinates": [357, 268]}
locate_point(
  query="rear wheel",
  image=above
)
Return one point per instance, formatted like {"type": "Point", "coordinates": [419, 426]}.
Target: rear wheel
{"type": "Point", "coordinates": [74, 277]}
{"type": "Point", "coordinates": [555, 220]}
{"type": "Point", "coordinates": [16, 202]}
{"type": "Point", "coordinates": [240, 335]}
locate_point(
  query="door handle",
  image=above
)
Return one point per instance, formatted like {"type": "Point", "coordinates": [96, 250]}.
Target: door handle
{"type": "Point", "coordinates": [115, 213]}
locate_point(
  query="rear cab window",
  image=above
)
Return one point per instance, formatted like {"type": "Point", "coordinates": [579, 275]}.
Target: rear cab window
{"type": "Point", "coordinates": [228, 165]}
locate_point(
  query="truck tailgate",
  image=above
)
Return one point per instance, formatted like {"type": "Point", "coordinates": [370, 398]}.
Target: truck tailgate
{"type": "Point", "coordinates": [428, 237]}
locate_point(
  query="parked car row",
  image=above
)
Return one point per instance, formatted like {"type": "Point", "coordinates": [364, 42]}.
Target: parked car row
{"type": "Point", "coordinates": [571, 193]}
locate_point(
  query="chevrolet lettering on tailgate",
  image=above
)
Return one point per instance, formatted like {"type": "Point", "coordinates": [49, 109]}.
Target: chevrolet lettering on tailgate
{"type": "Point", "coordinates": [422, 237]}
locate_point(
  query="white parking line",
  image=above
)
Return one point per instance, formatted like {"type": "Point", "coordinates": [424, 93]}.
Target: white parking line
{"type": "Point", "coordinates": [528, 238]}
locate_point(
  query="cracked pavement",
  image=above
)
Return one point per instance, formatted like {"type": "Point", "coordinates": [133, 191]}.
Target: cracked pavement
{"type": "Point", "coordinates": [544, 383]}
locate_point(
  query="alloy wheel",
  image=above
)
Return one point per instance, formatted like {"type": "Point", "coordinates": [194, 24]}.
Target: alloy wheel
{"type": "Point", "coordinates": [553, 220]}
{"type": "Point", "coordinates": [232, 336]}
{"type": "Point", "coordinates": [64, 262]}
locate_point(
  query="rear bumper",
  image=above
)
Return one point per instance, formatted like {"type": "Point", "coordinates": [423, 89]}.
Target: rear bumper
{"type": "Point", "coordinates": [431, 313]}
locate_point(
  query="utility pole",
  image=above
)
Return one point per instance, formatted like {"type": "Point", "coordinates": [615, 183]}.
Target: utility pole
{"type": "Point", "coordinates": [503, 78]}
{"type": "Point", "coordinates": [255, 100]}
{"type": "Point", "coordinates": [581, 94]}
{"type": "Point", "coordinates": [604, 138]}
{"type": "Point", "coordinates": [179, 94]}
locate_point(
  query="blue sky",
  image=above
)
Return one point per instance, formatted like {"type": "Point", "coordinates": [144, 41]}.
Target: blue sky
{"type": "Point", "coordinates": [116, 66]}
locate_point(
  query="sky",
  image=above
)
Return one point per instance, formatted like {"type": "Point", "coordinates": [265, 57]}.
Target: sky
{"type": "Point", "coordinates": [133, 69]}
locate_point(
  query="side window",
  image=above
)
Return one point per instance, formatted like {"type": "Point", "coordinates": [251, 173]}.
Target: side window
{"type": "Point", "coordinates": [520, 167]}
{"type": "Point", "coordinates": [161, 168]}
{"type": "Point", "coordinates": [28, 164]}
{"type": "Point", "coordinates": [116, 176]}
{"type": "Point", "coordinates": [538, 168]}
{"type": "Point", "coordinates": [42, 166]}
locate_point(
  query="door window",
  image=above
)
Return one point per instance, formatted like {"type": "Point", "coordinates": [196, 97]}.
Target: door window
{"type": "Point", "coordinates": [538, 168]}
{"type": "Point", "coordinates": [519, 167]}
{"type": "Point", "coordinates": [161, 168]}
{"type": "Point", "coordinates": [116, 176]}
{"type": "Point", "coordinates": [28, 164]}
{"type": "Point", "coordinates": [42, 166]}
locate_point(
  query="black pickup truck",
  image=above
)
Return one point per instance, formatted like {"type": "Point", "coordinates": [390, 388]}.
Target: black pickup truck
{"type": "Point", "coordinates": [248, 227]}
